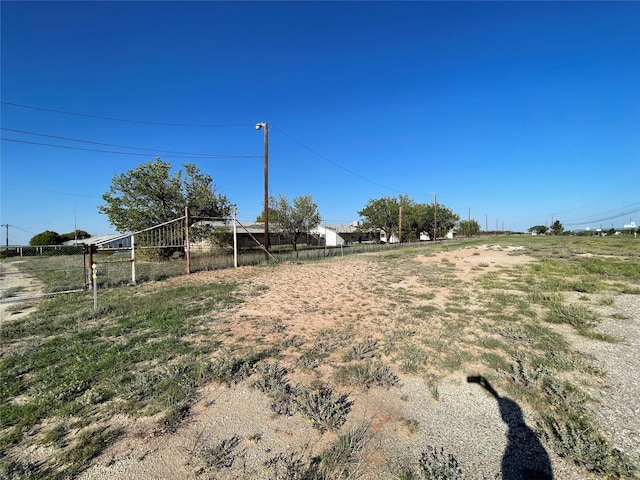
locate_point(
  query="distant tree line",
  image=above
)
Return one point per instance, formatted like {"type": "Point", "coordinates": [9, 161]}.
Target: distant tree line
{"type": "Point", "coordinates": [556, 229]}
{"type": "Point", "coordinates": [434, 219]}
{"type": "Point", "coordinates": [49, 237]}
{"type": "Point", "coordinates": [151, 194]}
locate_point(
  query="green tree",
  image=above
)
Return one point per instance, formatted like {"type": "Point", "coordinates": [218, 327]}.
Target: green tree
{"type": "Point", "coordinates": [293, 219]}
{"type": "Point", "coordinates": [469, 228]}
{"type": "Point", "coordinates": [417, 219]}
{"type": "Point", "coordinates": [539, 229]}
{"type": "Point", "coordinates": [557, 228]}
{"type": "Point", "coordinates": [48, 237]}
{"type": "Point", "coordinates": [384, 213]}
{"type": "Point", "coordinates": [149, 195]}
{"type": "Point", "coordinates": [76, 234]}
{"type": "Point", "coordinates": [436, 221]}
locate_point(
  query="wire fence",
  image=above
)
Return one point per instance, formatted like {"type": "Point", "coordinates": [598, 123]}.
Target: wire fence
{"type": "Point", "coordinates": [157, 253]}
{"type": "Point", "coordinates": [28, 272]}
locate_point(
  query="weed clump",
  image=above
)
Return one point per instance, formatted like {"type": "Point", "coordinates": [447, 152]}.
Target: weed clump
{"type": "Point", "coordinates": [366, 375]}
{"type": "Point", "coordinates": [221, 455]}
{"type": "Point", "coordinates": [339, 461]}
{"type": "Point", "coordinates": [362, 350]}
{"type": "Point", "coordinates": [323, 407]}
{"type": "Point", "coordinates": [581, 442]}
{"type": "Point", "coordinates": [434, 464]}
{"type": "Point", "coordinates": [438, 465]}
{"type": "Point", "coordinates": [564, 420]}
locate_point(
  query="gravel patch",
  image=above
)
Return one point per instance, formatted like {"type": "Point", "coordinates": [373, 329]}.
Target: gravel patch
{"type": "Point", "coordinates": [618, 396]}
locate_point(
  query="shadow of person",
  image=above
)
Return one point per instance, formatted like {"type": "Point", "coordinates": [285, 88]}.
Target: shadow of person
{"type": "Point", "coordinates": [524, 457]}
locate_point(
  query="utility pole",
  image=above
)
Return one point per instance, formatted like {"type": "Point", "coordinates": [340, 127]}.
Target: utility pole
{"type": "Point", "coordinates": [496, 227]}
{"type": "Point", "coordinates": [265, 126]}
{"type": "Point", "coordinates": [435, 216]}
{"type": "Point", "coordinates": [486, 223]}
{"type": "Point", "coordinates": [469, 221]}
{"type": "Point", "coordinates": [400, 226]}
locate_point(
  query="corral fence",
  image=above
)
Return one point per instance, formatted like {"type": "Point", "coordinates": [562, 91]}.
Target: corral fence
{"type": "Point", "coordinates": [172, 249]}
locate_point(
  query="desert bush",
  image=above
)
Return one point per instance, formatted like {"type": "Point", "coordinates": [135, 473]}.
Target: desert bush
{"type": "Point", "coordinates": [366, 375]}
{"type": "Point", "coordinates": [323, 407]}
{"type": "Point", "coordinates": [362, 350]}
{"type": "Point", "coordinates": [220, 455]}
{"type": "Point", "coordinates": [438, 465]}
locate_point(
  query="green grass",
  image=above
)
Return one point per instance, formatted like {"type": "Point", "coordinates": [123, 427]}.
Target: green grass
{"type": "Point", "coordinates": [136, 355]}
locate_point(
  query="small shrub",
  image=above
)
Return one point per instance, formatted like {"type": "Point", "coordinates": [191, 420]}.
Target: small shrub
{"type": "Point", "coordinates": [19, 470]}
{"type": "Point", "coordinates": [339, 459]}
{"type": "Point", "coordinates": [221, 455]}
{"type": "Point", "coordinates": [235, 369]}
{"type": "Point", "coordinates": [325, 409]}
{"type": "Point", "coordinates": [288, 467]}
{"type": "Point", "coordinates": [362, 350]}
{"type": "Point", "coordinates": [309, 359]}
{"type": "Point", "coordinates": [438, 465]}
{"type": "Point", "coordinates": [274, 383]}
{"type": "Point", "coordinates": [412, 425]}
{"type": "Point", "coordinates": [366, 375]}
{"type": "Point", "coordinates": [580, 441]}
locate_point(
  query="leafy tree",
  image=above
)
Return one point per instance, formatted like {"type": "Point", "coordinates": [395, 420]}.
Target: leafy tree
{"type": "Point", "coordinates": [149, 195]}
{"type": "Point", "coordinates": [424, 219]}
{"type": "Point", "coordinates": [384, 213]}
{"type": "Point", "coordinates": [446, 220]}
{"type": "Point", "coordinates": [557, 228]}
{"type": "Point", "coordinates": [417, 219]}
{"type": "Point", "coordinates": [293, 219]}
{"type": "Point", "coordinates": [79, 234]}
{"type": "Point", "coordinates": [469, 228]}
{"type": "Point", "coordinates": [539, 229]}
{"type": "Point", "coordinates": [48, 237]}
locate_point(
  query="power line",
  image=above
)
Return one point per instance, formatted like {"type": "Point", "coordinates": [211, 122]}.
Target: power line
{"type": "Point", "coordinates": [69, 147]}
{"type": "Point", "coordinates": [335, 163]}
{"type": "Point", "coordinates": [203, 155]}
{"type": "Point", "coordinates": [610, 212]}
{"type": "Point", "coordinates": [126, 120]}
{"type": "Point", "coordinates": [604, 219]}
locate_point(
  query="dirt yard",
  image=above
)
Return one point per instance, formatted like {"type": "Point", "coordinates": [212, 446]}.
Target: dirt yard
{"type": "Point", "coordinates": [326, 307]}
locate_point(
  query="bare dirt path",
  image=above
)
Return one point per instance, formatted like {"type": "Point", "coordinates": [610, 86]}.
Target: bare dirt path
{"type": "Point", "coordinates": [338, 301]}
{"type": "Point", "coordinates": [15, 287]}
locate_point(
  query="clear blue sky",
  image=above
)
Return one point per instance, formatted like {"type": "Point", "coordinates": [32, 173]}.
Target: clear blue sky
{"type": "Point", "coordinates": [515, 110]}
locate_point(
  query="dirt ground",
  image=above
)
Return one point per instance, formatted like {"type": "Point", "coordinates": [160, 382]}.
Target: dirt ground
{"type": "Point", "coordinates": [15, 286]}
{"type": "Point", "coordinates": [351, 298]}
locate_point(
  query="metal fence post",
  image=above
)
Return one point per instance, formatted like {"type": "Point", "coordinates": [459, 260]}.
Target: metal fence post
{"type": "Point", "coordinates": [187, 246]}
{"type": "Point", "coordinates": [94, 276]}
{"type": "Point", "coordinates": [235, 241]}
{"type": "Point", "coordinates": [133, 259]}
{"type": "Point", "coordinates": [90, 263]}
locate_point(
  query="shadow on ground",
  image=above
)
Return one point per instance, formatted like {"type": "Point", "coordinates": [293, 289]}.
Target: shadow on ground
{"type": "Point", "coordinates": [524, 457]}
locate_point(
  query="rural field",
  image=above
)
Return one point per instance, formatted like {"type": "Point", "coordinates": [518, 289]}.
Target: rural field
{"type": "Point", "coordinates": [511, 357]}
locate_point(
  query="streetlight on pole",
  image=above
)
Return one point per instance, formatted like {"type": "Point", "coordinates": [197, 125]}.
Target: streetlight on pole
{"type": "Point", "coordinates": [265, 126]}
